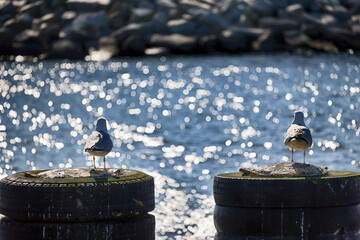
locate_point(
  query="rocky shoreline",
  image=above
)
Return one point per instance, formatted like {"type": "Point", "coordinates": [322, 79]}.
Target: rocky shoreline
{"type": "Point", "coordinates": [103, 29]}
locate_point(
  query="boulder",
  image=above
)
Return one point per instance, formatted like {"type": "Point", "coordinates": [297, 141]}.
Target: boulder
{"type": "Point", "coordinates": [84, 6]}
{"type": "Point", "coordinates": [108, 44]}
{"type": "Point", "coordinates": [239, 38]}
{"type": "Point", "coordinates": [5, 17]}
{"type": "Point", "coordinates": [6, 7]}
{"type": "Point", "coordinates": [278, 25]}
{"type": "Point", "coordinates": [133, 46]}
{"type": "Point", "coordinates": [68, 17]}
{"type": "Point", "coordinates": [132, 29]}
{"type": "Point", "coordinates": [6, 36]}
{"type": "Point", "coordinates": [265, 43]}
{"type": "Point", "coordinates": [90, 25]}
{"type": "Point", "coordinates": [28, 36]}
{"type": "Point", "coordinates": [261, 7]}
{"type": "Point", "coordinates": [335, 8]}
{"type": "Point", "coordinates": [209, 43]}
{"type": "Point", "coordinates": [116, 20]}
{"type": "Point", "coordinates": [296, 39]}
{"type": "Point", "coordinates": [156, 51]}
{"type": "Point", "coordinates": [141, 14]}
{"type": "Point", "coordinates": [344, 38]}
{"type": "Point", "coordinates": [181, 26]}
{"type": "Point", "coordinates": [175, 42]}
{"type": "Point", "coordinates": [65, 48]}
{"type": "Point", "coordinates": [49, 31]}
{"type": "Point", "coordinates": [35, 9]}
{"type": "Point", "coordinates": [20, 22]}
{"type": "Point", "coordinates": [215, 21]}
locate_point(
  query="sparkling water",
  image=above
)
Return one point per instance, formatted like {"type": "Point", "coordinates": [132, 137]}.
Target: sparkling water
{"type": "Point", "coordinates": [180, 119]}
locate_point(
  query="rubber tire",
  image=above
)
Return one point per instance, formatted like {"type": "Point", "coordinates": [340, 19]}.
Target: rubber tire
{"type": "Point", "coordinates": [76, 199]}
{"type": "Point", "coordinates": [142, 228]}
{"type": "Point", "coordinates": [237, 190]}
{"type": "Point", "coordinates": [291, 222]}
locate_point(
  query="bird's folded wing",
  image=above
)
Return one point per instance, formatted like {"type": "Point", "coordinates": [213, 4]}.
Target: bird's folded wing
{"type": "Point", "coordinates": [94, 141]}
{"type": "Point", "coordinates": [298, 132]}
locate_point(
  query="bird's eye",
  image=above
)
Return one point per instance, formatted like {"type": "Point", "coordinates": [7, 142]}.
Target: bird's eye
{"type": "Point", "coordinates": [293, 115]}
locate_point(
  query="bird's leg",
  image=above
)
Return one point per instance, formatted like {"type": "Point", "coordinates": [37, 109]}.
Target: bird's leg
{"type": "Point", "coordinates": [94, 162]}
{"type": "Point", "coordinates": [292, 155]}
{"type": "Point", "coordinates": [104, 165]}
{"type": "Point", "coordinates": [304, 157]}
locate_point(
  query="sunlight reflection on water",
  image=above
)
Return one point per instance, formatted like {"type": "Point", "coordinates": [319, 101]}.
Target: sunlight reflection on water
{"type": "Point", "coordinates": [182, 120]}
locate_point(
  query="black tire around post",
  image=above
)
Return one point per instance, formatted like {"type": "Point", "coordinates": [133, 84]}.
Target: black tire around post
{"type": "Point", "coordinates": [27, 197]}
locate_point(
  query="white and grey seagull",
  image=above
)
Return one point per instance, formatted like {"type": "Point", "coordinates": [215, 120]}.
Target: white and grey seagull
{"type": "Point", "coordinates": [99, 142]}
{"type": "Point", "coordinates": [298, 136]}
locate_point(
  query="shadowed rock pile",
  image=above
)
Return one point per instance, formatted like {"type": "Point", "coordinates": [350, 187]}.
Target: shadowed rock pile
{"type": "Point", "coordinates": [77, 28]}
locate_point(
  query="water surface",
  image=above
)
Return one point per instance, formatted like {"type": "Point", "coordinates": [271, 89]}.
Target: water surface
{"type": "Point", "coordinates": [181, 119]}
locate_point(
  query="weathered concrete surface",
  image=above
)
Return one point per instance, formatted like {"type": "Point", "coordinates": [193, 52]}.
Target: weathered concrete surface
{"type": "Point", "coordinates": [287, 169]}
{"type": "Point", "coordinates": [81, 173]}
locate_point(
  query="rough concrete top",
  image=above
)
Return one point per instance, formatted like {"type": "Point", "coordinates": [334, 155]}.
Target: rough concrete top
{"type": "Point", "coordinates": [287, 169]}
{"type": "Point", "coordinates": [82, 173]}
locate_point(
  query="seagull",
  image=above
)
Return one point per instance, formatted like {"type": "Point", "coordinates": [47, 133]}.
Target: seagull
{"type": "Point", "coordinates": [99, 142]}
{"type": "Point", "coordinates": [298, 136]}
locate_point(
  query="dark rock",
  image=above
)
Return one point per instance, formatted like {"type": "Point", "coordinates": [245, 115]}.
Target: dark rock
{"type": "Point", "coordinates": [67, 49]}
{"type": "Point", "coordinates": [7, 7]}
{"type": "Point", "coordinates": [159, 23]}
{"type": "Point", "coordinates": [133, 46]}
{"type": "Point", "coordinates": [186, 5]}
{"type": "Point", "coordinates": [120, 11]}
{"type": "Point", "coordinates": [91, 22]}
{"type": "Point", "coordinates": [215, 21]}
{"type": "Point", "coordinates": [181, 26]}
{"type": "Point", "coordinates": [6, 36]}
{"type": "Point", "coordinates": [20, 22]}
{"type": "Point", "coordinates": [54, 4]}
{"type": "Point", "coordinates": [35, 9]}
{"type": "Point", "coordinates": [141, 15]}
{"type": "Point", "coordinates": [232, 40]}
{"type": "Point", "coordinates": [68, 17]}
{"type": "Point", "coordinates": [19, 3]}
{"type": "Point", "coordinates": [174, 42]}
{"type": "Point", "coordinates": [295, 10]}
{"type": "Point", "coordinates": [168, 7]}
{"type": "Point", "coordinates": [28, 36]}
{"type": "Point", "coordinates": [209, 43]}
{"type": "Point", "coordinates": [108, 44]}
{"type": "Point", "coordinates": [334, 7]}
{"type": "Point", "coordinates": [315, 6]}
{"type": "Point", "coordinates": [265, 43]}
{"type": "Point", "coordinates": [5, 17]}
{"type": "Point", "coordinates": [297, 39]}
{"type": "Point", "coordinates": [261, 7]}
{"type": "Point", "coordinates": [49, 18]}
{"type": "Point", "coordinates": [116, 20]}
{"type": "Point", "coordinates": [27, 49]}
{"type": "Point", "coordinates": [84, 6]}
{"type": "Point", "coordinates": [278, 25]}
{"type": "Point", "coordinates": [132, 29]}
{"type": "Point", "coordinates": [86, 25]}
{"type": "Point", "coordinates": [49, 31]}
{"type": "Point", "coordinates": [156, 51]}
{"type": "Point", "coordinates": [73, 34]}
{"type": "Point", "coordinates": [343, 37]}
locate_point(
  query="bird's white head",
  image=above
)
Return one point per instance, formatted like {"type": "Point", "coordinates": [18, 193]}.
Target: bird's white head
{"type": "Point", "coordinates": [298, 118]}
{"type": "Point", "coordinates": [101, 124]}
